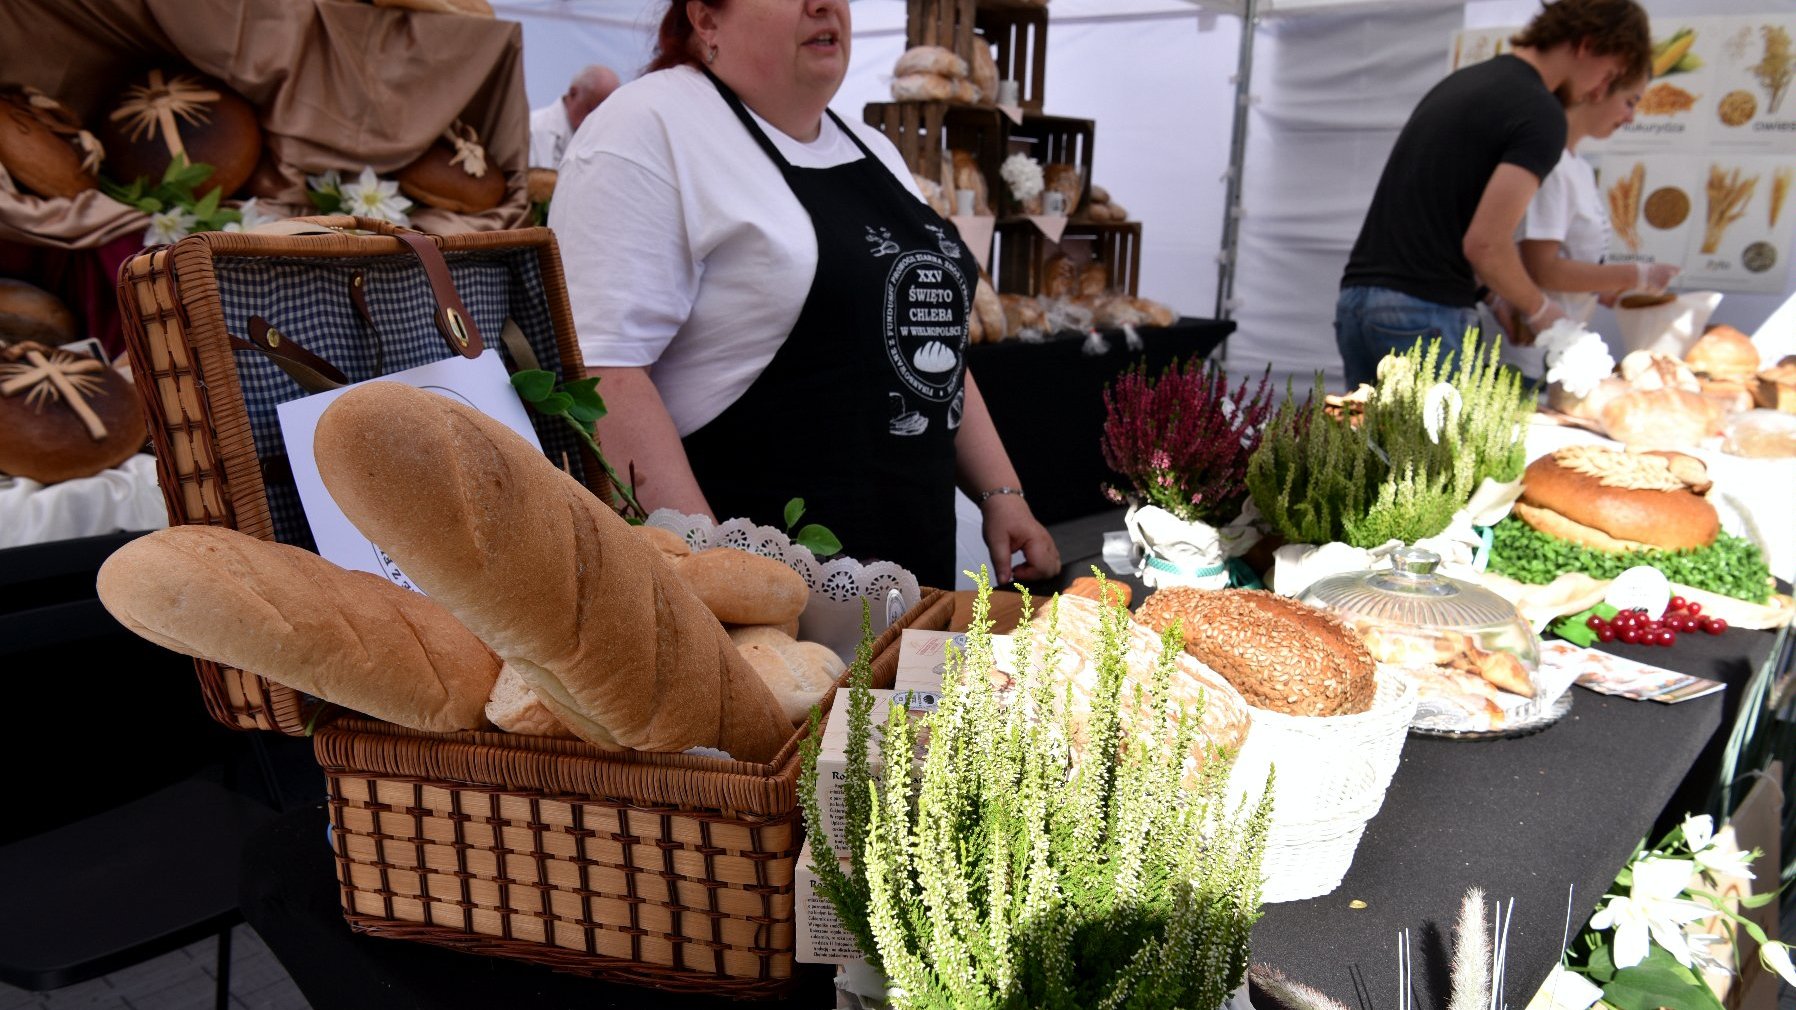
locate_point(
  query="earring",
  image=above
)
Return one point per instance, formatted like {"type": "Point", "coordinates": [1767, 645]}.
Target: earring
{"type": "Point", "coordinates": [711, 55]}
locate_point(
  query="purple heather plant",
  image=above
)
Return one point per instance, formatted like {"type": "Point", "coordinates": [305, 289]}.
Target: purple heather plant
{"type": "Point", "coordinates": [1182, 441]}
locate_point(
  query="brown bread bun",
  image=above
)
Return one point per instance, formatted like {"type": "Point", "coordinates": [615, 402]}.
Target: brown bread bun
{"type": "Point", "coordinates": [1280, 654]}
{"type": "Point", "coordinates": [43, 436]}
{"type": "Point", "coordinates": [539, 185]}
{"type": "Point", "coordinates": [672, 546]}
{"type": "Point", "coordinates": [434, 179]}
{"type": "Point", "coordinates": [983, 71]}
{"type": "Point", "coordinates": [930, 60]}
{"type": "Point", "coordinates": [798, 673]}
{"type": "Point", "coordinates": [1724, 353]}
{"type": "Point", "coordinates": [1776, 387]}
{"type": "Point", "coordinates": [31, 313]}
{"type": "Point", "coordinates": [351, 638]}
{"type": "Point", "coordinates": [38, 149]}
{"type": "Point", "coordinates": [218, 128]}
{"type": "Point", "coordinates": [1118, 593]}
{"type": "Point", "coordinates": [1611, 500]}
{"type": "Point", "coordinates": [742, 587]}
{"type": "Point", "coordinates": [544, 572]}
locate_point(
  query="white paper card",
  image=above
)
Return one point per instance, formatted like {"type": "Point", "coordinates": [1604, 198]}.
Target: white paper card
{"type": "Point", "coordinates": [480, 383]}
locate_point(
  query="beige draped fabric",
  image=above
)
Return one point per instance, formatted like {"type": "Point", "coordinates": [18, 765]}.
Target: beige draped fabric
{"type": "Point", "coordinates": [338, 85]}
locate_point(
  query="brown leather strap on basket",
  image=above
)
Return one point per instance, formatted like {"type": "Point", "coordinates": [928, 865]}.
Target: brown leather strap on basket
{"type": "Point", "coordinates": [313, 373]}
{"type": "Point", "coordinates": [452, 319]}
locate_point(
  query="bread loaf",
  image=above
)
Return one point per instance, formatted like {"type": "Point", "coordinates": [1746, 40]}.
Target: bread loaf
{"type": "Point", "coordinates": [672, 546]}
{"type": "Point", "coordinates": [968, 176]}
{"type": "Point", "coordinates": [1666, 418]}
{"type": "Point", "coordinates": [444, 177]}
{"type": "Point", "coordinates": [1724, 353]}
{"type": "Point", "coordinates": [742, 587]}
{"type": "Point", "coordinates": [1023, 312]}
{"type": "Point", "coordinates": [1280, 654]}
{"type": "Point", "coordinates": [984, 71]}
{"type": "Point", "coordinates": [539, 184]}
{"type": "Point", "coordinates": [1118, 593]}
{"type": "Point", "coordinates": [798, 673]}
{"type": "Point", "coordinates": [788, 630]}
{"type": "Point", "coordinates": [30, 313]}
{"type": "Point", "coordinates": [64, 415]}
{"type": "Point", "coordinates": [514, 708]}
{"type": "Point", "coordinates": [923, 88]}
{"type": "Point", "coordinates": [42, 146]}
{"type": "Point", "coordinates": [1060, 277]}
{"type": "Point", "coordinates": [988, 310]}
{"type": "Point", "coordinates": [1068, 181]}
{"type": "Point", "coordinates": [350, 638]}
{"type": "Point", "coordinates": [218, 128]}
{"type": "Point", "coordinates": [556, 582]}
{"type": "Point", "coordinates": [1615, 501]}
{"type": "Point", "coordinates": [930, 60]}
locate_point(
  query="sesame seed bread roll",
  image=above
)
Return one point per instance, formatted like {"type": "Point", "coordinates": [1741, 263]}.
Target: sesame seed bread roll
{"type": "Point", "coordinates": [586, 609]}
{"type": "Point", "coordinates": [351, 638]}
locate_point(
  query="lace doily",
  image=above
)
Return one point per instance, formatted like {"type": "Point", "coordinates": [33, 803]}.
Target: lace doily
{"type": "Point", "coordinates": [833, 617]}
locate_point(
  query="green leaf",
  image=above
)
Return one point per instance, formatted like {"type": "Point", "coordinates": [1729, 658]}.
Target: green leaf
{"type": "Point", "coordinates": [555, 403]}
{"type": "Point", "coordinates": [585, 394]}
{"type": "Point", "coordinates": [150, 205]}
{"type": "Point", "coordinates": [1659, 981]}
{"type": "Point", "coordinates": [327, 203]}
{"type": "Point", "coordinates": [585, 414]}
{"type": "Point", "coordinates": [533, 384]}
{"type": "Point", "coordinates": [794, 511]}
{"type": "Point", "coordinates": [207, 205]}
{"type": "Point", "coordinates": [818, 540]}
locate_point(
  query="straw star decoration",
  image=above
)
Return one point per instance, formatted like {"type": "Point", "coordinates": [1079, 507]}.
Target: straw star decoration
{"type": "Point", "coordinates": [60, 376]}
{"type": "Point", "coordinates": [468, 152]}
{"type": "Point", "coordinates": [164, 100]}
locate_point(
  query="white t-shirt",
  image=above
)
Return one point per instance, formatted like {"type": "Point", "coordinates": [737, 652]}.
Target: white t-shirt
{"type": "Point", "coordinates": [549, 134]}
{"type": "Point", "coordinates": [683, 246]}
{"type": "Point", "coordinates": [1568, 210]}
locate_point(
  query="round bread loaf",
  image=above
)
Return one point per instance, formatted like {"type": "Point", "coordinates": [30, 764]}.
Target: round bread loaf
{"type": "Point", "coordinates": [36, 154]}
{"type": "Point", "coordinates": [47, 438]}
{"type": "Point", "coordinates": [1632, 499]}
{"type": "Point", "coordinates": [742, 587]}
{"type": "Point", "coordinates": [1280, 654]}
{"type": "Point", "coordinates": [31, 313]}
{"type": "Point", "coordinates": [539, 185]}
{"type": "Point", "coordinates": [215, 126]}
{"type": "Point", "coordinates": [1724, 353]}
{"type": "Point", "coordinates": [435, 179]}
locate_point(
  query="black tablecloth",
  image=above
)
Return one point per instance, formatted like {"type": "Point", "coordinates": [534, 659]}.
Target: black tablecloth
{"type": "Point", "coordinates": [1047, 401]}
{"type": "Point", "coordinates": [1527, 819]}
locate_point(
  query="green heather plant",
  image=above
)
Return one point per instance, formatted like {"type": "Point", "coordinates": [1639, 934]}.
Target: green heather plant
{"type": "Point", "coordinates": [1016, 871]}
{"type": "Point", "coordinates": [1431, 433]}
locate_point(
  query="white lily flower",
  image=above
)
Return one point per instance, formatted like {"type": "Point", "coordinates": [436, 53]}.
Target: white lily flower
{"type": "Point", "coordinates": [1731, 863]}
{"type": "Point", "coordinates": [1699, 832]}
{"type": "Point", "coordinates": [1776, 956]}
{"type": "Point", "coordinates": [1655, 909]}
{"type": "Point", "coordinates": [1707, 950]}
{"type": "Point", "coordinates": [329, 182]}
{"type": "Point", "coordinates": [253, 216]}
{"type": "Point", "coordinates": [170, 225]}
{"type": "Point", "coordinates": [1440, 410]}
{"type": "Point", "coordinates": [370, 196]}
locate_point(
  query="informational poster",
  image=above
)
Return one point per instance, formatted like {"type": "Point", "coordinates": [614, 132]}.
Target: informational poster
{"type": "Point", "coordinates": [1701, 177]}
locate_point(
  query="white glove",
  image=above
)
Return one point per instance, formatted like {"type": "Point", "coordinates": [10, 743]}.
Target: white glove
{"type": "Point", "coordinates": [1545, 316]}
{"type": "Point", "coordinates": [1654, 277]}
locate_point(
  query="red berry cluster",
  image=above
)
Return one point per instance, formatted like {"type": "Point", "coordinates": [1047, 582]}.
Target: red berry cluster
{"type": "Point", "coordinates": [1635, 628]}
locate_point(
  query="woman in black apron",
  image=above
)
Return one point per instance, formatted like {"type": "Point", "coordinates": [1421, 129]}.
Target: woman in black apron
{"type": "Point", "coordinates": [860, 412]}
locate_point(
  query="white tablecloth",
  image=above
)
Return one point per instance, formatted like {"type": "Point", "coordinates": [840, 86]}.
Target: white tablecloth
{"type": "Point", "coordinates": [124, 498]}
{"type": "Point", "coordinates": [1756, 498]}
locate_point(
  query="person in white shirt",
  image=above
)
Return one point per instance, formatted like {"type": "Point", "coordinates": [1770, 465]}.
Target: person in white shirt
{"type": "Point", "coordinates": [1564, 235]}
{"type": "Point", "coordinates": [773, 310]}
{"type": "Point", "coordinates": [553, 125]}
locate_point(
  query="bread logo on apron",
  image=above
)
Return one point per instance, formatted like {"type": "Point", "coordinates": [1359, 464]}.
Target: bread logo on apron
{"type": "Point", "coordinates": [925, 332]}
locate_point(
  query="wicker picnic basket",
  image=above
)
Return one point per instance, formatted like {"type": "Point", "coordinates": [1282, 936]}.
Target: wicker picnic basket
{"type": "Point", "coordinates": [667, 870]}
{"type": "Point", "coordinates": [348, 291]}
{"type": "Point", "coordinates": [670, 870]}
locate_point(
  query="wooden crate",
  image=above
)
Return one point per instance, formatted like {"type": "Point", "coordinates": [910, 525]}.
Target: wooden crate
{"type": "Point", "coordinates": [1018, 30]}
{"type": "Point", "coordinates": [1023, 253]}
{"type": "Point", "coordinates": [1049, 140]}
{"type": "Point", "coordinates": [924, 131]}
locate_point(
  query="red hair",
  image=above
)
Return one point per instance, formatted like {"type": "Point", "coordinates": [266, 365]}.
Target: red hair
{"type": "Point", "coordinates": [673, 44]}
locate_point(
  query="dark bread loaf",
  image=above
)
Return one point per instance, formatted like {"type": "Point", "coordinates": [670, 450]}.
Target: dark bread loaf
{"type": "Point", "coordinates": [213, 125]}
{"type": "Point", "coordinates": [453, 175]}
{"type": "Point", "coordinates": [48, 436]}
{"type": "Point", "coordinates": [1280, 654]}
{"type": "Point", "coordinates": [41, 146]}
{"type": "Point", "coordinates": [31, 313]}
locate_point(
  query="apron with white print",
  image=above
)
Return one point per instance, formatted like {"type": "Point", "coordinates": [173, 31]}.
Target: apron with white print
{"type": "Point", "coordinates": [858, 409]}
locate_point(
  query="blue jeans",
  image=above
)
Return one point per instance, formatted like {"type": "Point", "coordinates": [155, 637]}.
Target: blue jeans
{"type": "Point", "coordinates": [1373, 322]}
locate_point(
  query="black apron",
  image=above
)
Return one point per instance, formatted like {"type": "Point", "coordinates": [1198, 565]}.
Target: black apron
{"type": "Point", "coordinates": [858, 409]}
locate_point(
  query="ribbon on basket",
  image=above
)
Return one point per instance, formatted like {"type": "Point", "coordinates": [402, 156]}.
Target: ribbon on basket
{"type": "Point", "coordinates": [1177, 552]}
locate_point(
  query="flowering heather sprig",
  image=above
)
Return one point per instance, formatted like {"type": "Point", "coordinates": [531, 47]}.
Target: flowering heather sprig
{"type": "Point", "coordinates": [1181, 441]}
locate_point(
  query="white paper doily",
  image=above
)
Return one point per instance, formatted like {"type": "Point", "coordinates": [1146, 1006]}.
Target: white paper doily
{"type": "Point", "coordinates": [833, 616]}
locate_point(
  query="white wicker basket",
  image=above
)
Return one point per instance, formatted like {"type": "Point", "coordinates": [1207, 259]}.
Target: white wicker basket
{"type": "Point", "coordinates": [1332, 773]}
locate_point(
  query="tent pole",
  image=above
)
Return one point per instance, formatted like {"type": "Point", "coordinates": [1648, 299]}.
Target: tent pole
{"type": "Point", "coordinates": [1231, 207]}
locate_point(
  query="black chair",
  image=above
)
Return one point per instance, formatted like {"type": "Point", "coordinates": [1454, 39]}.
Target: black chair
{"type": "Point", "coordinates": [130, 806]}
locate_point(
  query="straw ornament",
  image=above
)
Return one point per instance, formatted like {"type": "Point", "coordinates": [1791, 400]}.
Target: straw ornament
{"type": "Point", "coordinates": [61, 376]}
{"type": "Point", "coordinates": [469, 154]}
{"type": "Point", "coordinates": [61, 121]}
{"type": "Point", "coordinates": [159, 104]}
